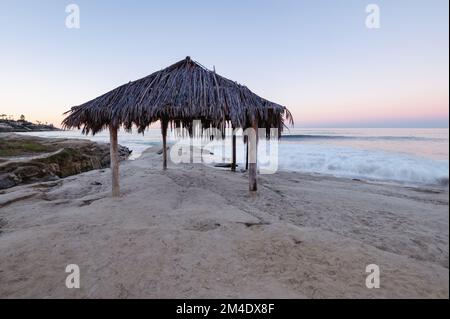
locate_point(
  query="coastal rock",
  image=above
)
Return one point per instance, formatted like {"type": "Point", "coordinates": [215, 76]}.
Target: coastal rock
{"type": "Point", "coordinates": [56, 158]}
{"type": "Point", "coordinates": [24, 126]}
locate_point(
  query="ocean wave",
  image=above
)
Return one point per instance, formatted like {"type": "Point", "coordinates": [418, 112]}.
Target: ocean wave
{"type": "Point", "coordinates": [365, 138]}
{"type": "Point", "coordinates": [364, 164]}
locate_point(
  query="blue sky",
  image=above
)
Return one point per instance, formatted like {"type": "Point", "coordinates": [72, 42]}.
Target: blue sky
{"type": "Point", "coordinates": [316, 57]}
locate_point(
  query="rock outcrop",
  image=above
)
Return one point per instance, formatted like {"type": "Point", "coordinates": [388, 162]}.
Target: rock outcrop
{"type": "Point", "coordinates": [24, 126]}
{"type": "Point", "coordinates": [63, 157]}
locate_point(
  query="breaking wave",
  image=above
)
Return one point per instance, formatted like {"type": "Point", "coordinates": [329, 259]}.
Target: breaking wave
{"type": "Point", "coordinates": [364, 138]}
{"type": "Point", "coordinates": [363, 164]}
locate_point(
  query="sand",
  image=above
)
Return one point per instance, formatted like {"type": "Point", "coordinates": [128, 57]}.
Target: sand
{"type": "Point", "coordinates": [196, 232]}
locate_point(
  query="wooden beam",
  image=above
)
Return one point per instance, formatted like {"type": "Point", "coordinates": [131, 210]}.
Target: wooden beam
{"type": "Point", "coordinates": [233, 150]}
{"type": "Point", "coordinates": [114, 160]}
{"type": "Point", "coordinates": [164, 125]}
{"type": "Point", "coordinates": [252, 156]}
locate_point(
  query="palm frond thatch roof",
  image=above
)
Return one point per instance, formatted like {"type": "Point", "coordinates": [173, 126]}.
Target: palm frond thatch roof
{"type": "Point", "coordinates": [179, 94]}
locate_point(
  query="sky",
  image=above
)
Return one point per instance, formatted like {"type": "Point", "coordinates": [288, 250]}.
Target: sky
{"type": "Point", "coordinates": [317, 57]}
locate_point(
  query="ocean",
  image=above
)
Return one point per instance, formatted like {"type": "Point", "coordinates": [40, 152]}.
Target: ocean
{"type": "Point", "coordinates": [401, 155]}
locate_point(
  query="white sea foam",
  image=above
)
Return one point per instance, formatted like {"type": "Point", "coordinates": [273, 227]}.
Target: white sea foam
{"type": "Point", "coordinates": [363, 164]}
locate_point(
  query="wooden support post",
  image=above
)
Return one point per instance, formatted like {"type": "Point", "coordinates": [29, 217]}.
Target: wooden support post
{"type": "Point", "coordinates": [233, 150]}
{"type": "Point", "coordinates": [252, 143]}
{"type": "Point", "coordinates": [246, 152]}
{"type": "Point", "coordinates": [164, 125]}
{"type": "Point", "coordinates": [114, 160]}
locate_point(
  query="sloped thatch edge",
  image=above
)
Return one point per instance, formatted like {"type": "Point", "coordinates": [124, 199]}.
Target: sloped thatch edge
{"type": "Point", "coordinates": [178, 94]}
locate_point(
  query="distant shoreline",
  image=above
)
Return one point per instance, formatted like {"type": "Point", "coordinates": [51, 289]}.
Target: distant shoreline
{"type": "Point", "coordinates": [11, 126]}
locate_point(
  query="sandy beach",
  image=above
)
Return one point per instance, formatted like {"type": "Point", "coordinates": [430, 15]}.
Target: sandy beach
{"type": "Point", "coordinates": [196, 232]}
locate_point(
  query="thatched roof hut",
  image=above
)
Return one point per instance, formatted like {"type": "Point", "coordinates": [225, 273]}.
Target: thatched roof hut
{"type": "Point", "coordinates": [178, 94]}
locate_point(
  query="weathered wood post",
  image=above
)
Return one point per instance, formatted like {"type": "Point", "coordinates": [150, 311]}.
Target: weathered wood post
{"type": "Point", "coordinates": [246, 152]}
{"type": "Point", "coordinates": [233, 149]}
{"type": "Point", "coordinates": [164, 125]}
{"type": "Point", "coordinates": [252, 155]}
{"type": "Point", "coordinates": [114, 160]}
